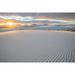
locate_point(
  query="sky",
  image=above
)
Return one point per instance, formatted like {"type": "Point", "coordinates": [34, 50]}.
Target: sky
{"type": "Point", "coordinates": [54, 17]}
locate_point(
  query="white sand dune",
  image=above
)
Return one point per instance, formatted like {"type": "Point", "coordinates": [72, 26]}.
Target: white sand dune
{"type": "Point", "coordinates": [37, 46]}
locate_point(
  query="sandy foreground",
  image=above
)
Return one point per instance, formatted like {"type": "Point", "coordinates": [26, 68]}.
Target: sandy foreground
{"type": "Point", "coordinates": [37, 46]}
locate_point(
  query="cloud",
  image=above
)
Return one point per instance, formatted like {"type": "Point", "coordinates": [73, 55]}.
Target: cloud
{"type": "Point", "coordinates": [26, 18]}
{"type": "Point", "coordinates": [57, 21]}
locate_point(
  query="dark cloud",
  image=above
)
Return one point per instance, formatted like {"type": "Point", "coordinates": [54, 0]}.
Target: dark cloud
{"type": "Point", "coordinates": [54, 15]}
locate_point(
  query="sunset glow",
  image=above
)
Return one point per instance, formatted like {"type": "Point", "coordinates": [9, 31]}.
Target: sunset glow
{"type": "Point", "coordinates": [10, 24]}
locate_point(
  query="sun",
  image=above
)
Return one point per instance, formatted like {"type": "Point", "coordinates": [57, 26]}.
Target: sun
{"type": "Point", "coordinates": [10, 24]}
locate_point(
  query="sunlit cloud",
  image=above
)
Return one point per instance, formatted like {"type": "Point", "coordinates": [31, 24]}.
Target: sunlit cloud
{"type": "Point", "coordinates": [8, 17]}
{"type": "Point", "coordinates": [57, 21]}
